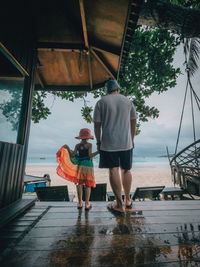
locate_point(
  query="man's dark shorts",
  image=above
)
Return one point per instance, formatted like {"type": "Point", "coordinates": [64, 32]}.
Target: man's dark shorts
{"type": "Point", "coordinates": [121, 159]}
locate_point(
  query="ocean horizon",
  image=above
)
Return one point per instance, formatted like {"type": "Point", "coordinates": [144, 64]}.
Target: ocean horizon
{"type": "Point", "coordinates": [51, 160]}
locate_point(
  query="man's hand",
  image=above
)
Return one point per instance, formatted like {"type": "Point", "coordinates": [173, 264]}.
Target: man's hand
{"type": "Point", "coordinates": [98, 147]}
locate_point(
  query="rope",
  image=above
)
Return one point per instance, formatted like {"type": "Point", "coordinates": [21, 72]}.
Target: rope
{"type": "Point", "coordinates": [192, 106]}
{"type": "Point", "coordinates": [195, 95]}
{"type": "Point", "coordinates": [179, 130]}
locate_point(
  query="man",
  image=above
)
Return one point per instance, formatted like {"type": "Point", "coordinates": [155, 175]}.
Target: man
{"type": "Point", "coordinates": [114, 127]}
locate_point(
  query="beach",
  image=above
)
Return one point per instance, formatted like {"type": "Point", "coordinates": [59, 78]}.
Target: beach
{"type": "Point", "coordinates": [143, 173]}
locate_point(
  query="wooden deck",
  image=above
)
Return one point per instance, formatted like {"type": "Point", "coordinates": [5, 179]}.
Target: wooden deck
{"type": "Point", "coordinates": [157, 233]}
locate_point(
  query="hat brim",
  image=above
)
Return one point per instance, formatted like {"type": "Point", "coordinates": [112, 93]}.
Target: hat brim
{"type": "Point", "coordinates": [84, 137]}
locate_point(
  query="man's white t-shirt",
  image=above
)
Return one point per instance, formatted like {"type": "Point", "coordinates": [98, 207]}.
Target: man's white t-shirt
{"type": "Point", "coordinates": [115, 112]}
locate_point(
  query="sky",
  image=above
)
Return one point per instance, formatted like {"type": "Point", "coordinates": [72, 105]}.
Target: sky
{"type": "Point", "coordinates": [65, 121]}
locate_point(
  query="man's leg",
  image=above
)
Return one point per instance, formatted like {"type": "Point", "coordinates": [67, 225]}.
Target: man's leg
{"type": "Point", "coordinates": [126, 182]}
{"type": "Point", "coordinates": [115, 183]}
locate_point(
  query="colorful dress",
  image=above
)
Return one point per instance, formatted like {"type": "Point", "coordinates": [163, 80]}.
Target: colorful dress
{"type": "Point", "coordinates": [78, 169]}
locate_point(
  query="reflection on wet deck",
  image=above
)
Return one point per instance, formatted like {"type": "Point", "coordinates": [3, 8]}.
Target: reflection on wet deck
{"type": "Point", "coordinates": [158, 233]}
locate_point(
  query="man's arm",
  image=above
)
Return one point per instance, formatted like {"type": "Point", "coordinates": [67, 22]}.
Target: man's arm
{"type": "Point", "coordinates": [97, 132]}
{"type": "Point", "coordinates": [133, 130]}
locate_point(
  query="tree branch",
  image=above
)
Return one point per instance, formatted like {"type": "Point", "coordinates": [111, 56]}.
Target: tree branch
{"type": "Point", "coordinates": [163, 14]}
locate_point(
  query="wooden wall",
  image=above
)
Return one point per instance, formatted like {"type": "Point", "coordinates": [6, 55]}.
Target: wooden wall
{"type": "Point", "coordinates": [17, 36]}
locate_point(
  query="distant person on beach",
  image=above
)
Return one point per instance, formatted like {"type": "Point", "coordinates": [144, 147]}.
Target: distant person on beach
{"type": "Point", "coordinates": [77, 166]}
{"type": "Point", "coordinates": [115, 125]}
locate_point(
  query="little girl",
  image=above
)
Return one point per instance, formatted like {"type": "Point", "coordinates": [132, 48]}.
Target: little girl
{"type": "Point", "coordinates": [77, 166]}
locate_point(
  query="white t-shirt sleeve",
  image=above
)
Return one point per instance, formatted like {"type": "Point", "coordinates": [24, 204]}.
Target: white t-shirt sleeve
{"type": "Point", "coordinates": [133, 112]}
{"type": "Point", "coordinates": [97, 113]}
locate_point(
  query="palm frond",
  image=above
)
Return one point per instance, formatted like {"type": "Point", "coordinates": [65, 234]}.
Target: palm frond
{"type": "Point", "coordinates": [186, 46]}
{"type": "Point", "coordinates": [194, 55]}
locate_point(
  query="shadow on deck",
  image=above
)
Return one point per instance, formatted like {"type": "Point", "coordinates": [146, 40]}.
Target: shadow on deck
{"type": "Point", "coordinates": [157, 233]}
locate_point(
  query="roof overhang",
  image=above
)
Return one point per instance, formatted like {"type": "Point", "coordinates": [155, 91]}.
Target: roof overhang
{"type": "Point", "coordinates": [82, 43]}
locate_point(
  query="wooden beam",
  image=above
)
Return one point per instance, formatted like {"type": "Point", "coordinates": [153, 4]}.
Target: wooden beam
{"type": "Point", "coordinates": [60, 46]}
{"type": "Point", "coordinates": [70, 88]}
{"type": "Point", "coordinates": [40, 78]}
{"type": "Point", "coordinates": [59, 50]}
{"type": "Point", "coordinates": [104, 65]}
{"type": "Point", "coordinates": [82, 11]}
{"type": "Point", "coordinates": [67, 67]}
{"type": "Point", "coordinates": [105, 50]}
{"type": "Point", "coordinates": [63, 47]}
{"type": "Point", "coordinates": [90, 70]}
{"type": "Point", "coordinates": [12, 59]}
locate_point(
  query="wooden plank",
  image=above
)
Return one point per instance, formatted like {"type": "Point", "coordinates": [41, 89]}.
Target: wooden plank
{"type": "Point", "coordinates": [15, 209]}
{"type": "Point", "coordinates": [13, 163]}
{"type": "Point", "coordinates": [112, 221]}
{"type": "Point", "coordinates": [73, 241]}
{"type": "Point", "coordinates": [104, 50]}
{"type": "Point", "coordinates": [21, 223]}
{"type": "Point", "coordinates": [9, 174]}
{"type": "Point", "coordinates": [82, 11]}
{"type": "Point", "coordinates": [103, 64]}
{"type": "Point", "coordinates": [107, 257]}
{"type": "Point", "coordinates": [40, 79]}
{"type": "Point", "coordinates": [105, 229]}
{"type": "Point", "coordinates": [10, 57]}
{"type": "Point", "coordinates": [17, 166]}
{"type": "Point", "coordinates": [135, 211]}
{"type": "Point", "coordinates": [141, 203]}
{"type": "Point", "coordinates": [90, 71]}
{"type": "Point", "coordinates": [106, 214]}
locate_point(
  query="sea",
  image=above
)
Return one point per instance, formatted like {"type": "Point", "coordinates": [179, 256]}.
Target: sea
{"type": "Point", "coordinates": [143, 161]}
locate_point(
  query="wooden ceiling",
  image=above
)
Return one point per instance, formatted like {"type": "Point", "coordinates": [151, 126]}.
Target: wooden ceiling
{"type": "Point", "coordinates": [81, 43]}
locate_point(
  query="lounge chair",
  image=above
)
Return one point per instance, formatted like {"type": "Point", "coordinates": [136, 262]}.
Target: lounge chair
{"type": "Point", "coordinates": [53, 193]}
{"type": "Point", "coordinates": [98, 193]}
{"type": "Point", "coordinates": [30, 182]}
{"type": "Point", "coordinates": [152, 193]}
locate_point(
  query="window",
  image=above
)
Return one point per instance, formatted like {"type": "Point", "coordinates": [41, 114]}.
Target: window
{"type": "Point", "coordinates": [11, 95]}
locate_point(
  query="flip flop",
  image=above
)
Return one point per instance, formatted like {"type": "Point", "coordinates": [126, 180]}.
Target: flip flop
{"type": "Point", "coordinates": [90, 206]}
{"type": "Point", "coordinates": [114, 211]}
{"type": "Point", "coordinates": [80, 207]}
{"type": "Point", "coordinates": [129, 206]}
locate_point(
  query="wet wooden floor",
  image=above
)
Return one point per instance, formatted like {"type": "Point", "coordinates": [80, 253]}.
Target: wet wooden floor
{"type": "Point", "coordinates": [158, 233]}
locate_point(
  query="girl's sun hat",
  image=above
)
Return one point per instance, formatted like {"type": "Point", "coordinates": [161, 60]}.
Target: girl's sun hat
{"type": "Point", "coordinates": [85, 134]}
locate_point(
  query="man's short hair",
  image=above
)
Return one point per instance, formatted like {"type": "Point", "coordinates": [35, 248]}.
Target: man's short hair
{"type": "Point", "coordinates": [111, 86]}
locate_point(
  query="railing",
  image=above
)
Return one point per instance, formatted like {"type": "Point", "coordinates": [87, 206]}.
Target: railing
{"type": "Point", "coordinates": [185, 167]}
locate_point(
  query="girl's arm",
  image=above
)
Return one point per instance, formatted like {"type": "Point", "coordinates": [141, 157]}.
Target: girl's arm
{"type": "Point", "coordinates": [72, 153]}
{"type": "Point", "coordinates": [91, 155]}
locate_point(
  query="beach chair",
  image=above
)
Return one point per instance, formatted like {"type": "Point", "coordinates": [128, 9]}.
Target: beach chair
{"type": "Point", "coordinates": [54, 193]}
{"type": "Point", "coordinates": [98, 193]}
{"type": "Point", "coordinates": [31, 181]}
{"type": "Point", "coordinates": [152, 193]}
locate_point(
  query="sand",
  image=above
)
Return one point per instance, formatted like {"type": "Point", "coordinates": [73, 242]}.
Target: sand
{"type": "Point", "coordinates": [144, 174]}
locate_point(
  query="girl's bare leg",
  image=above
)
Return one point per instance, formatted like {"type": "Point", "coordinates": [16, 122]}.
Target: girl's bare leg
{"type": "Point", "coordinates": [87, 196]}
{"type": "Point", "coordinates": [79, 189]}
